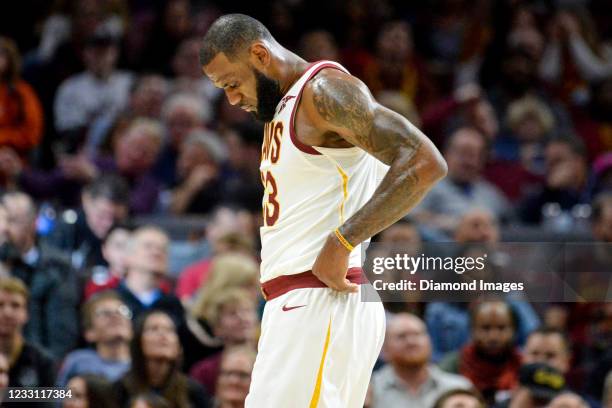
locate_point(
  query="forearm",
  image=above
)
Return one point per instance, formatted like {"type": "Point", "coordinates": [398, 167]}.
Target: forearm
{"type": "Point", "coordinates": [410, 176]}
{"type": "Point", "coordinates": [181, 198]}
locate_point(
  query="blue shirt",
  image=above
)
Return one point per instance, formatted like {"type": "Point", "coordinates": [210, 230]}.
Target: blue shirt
{"type": "Point", "coordinates": [88, 361]}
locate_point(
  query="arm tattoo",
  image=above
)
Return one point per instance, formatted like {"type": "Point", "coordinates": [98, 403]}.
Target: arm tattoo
{"type": "Point", "coordinates": [415, 163]}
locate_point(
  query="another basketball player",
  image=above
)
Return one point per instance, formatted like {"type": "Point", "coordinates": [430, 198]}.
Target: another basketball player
{"type": "Point", "coordinates": [337, 168]}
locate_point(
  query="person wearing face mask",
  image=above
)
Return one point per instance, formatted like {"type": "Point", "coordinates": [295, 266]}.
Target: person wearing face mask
{"type": "Point", "coordinates": [156, 360]}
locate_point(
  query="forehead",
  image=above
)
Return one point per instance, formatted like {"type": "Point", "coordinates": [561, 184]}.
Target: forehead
{"type": "Point", "coordinates": [222, 69]}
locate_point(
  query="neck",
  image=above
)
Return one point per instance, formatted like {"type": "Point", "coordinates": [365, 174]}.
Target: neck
{"type": "Point", "coordinates": [413, 376]}
{"type": "Point", "coordinates": [289, 67]}
{"type": "Point", "coordinates": [158, 371]}
{"type": "Point", "coordinates": [136, 284]}
{"type": "Point", "coordinates": [117, 350]}
{"type": "Point", "coordinates": [10, 346]}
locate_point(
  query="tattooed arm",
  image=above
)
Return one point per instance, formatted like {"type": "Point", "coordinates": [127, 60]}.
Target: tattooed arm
{"type": "Point", "coordinates": [339, 103]}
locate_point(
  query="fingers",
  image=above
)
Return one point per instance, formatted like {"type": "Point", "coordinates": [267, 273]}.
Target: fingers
{"type": "Point", "coordinates": [343, 286]}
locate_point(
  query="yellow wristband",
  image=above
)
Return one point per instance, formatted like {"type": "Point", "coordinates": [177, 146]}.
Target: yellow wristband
{"type": "Point", "coordinates": [343, 240]}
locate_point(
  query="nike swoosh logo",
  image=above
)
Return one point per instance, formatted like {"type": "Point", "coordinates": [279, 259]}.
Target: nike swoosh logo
{"type": "Point", "coordinates": [286, 309]}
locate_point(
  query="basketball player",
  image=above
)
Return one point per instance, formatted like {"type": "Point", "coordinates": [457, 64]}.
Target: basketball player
{"type": "Point", "coordinates": [337, 168]}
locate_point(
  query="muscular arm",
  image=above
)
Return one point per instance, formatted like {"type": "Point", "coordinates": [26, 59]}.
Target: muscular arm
{"type": "Point", "coordinates": [337, 102]}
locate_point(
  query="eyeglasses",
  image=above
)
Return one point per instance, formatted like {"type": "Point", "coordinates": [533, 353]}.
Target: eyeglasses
{"type": "Point", "coordinates": [122, 311]}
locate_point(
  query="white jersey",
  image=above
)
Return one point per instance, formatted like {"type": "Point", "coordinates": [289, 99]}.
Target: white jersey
{"type": "Point", "coordinates": [309, 190]}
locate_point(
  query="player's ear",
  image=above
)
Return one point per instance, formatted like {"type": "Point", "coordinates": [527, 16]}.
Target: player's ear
{"type": "Point", "coordinates": [259, 55]}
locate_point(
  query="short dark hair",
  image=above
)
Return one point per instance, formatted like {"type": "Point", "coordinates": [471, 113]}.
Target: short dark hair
{"type": "Point", "coordinates": [110, 187]}
{"type": "Point", "coordinates": [575, 144]}
{"type": "Point", "coordinates": [230, 34]}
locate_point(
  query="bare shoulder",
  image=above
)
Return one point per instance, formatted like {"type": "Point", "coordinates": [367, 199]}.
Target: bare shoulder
{"type": "Point", "coordinates": [339, 102]}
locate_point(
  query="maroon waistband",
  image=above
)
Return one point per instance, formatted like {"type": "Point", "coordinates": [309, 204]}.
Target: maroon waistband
{"type": "Point", "coordinates": [285, 283]}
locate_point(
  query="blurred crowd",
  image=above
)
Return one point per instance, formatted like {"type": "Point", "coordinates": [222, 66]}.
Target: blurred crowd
{"type": "Point", "coordinates": [108, 128]}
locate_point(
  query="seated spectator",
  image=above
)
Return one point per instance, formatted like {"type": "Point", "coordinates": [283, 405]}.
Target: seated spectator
{"type": "Point", "coordinates": [114, 251]}
{"type": "Point", "coordinates": [227, 272]}
{"type": "Point", "coordinates": [135, 150]}
{"type": "Point", "coordinates": [227, 231]}
{"type": "Point", "coordinates": [568, 400]}
{"type": "Point", "coordinates": [80, 233]}
{"type": "Point", "coordinates": [147, 96]}
{"type": "Point", "coordinates": [318, 45]}
{"type": "Point", "coordinates": [490, 360]}
{"type": "Point", "coordinates": [89, 391]}
{"type": "Point", "coordinates": [463, 188]}
{"type": "Point", "coordinates": [156, 355]}
{"type": "Point", "coordinates": [107, 326]}
{"type": "Point", "coordinates": [566, 185]}
{"type": "Point", "coordinates": [550, 347]}
{"type": "Point", "coordinates": [29, 365]}
{"type": "Point", "coordinates": [147, 266]}
{"type": "Point", "coordinates": [409, 379]}
{"type": "Point", "coordinates": [460, 398]}
{"type": "Point", "coordinates": [188, 73]}
{"type": "Point", "coordinates": [601, 217]}
{"type": "Point", "coordinates": [87, 104]}
{"type": "Point", "coordinates": [181, 114]}
{"type": "Point", "coordinates": [232, 316]}
{"type": "Point", "coordinates": [53, 299]}
{"type": "Point", "coordinates": [148, 400]}
{"type": "Point", "coordinates": [4, 374]}
{"type": "Point", "coordinates": [397, 66]}
{"type": "Point", "coordinates": [21, 115]}
{"type": "Point", "coordinates": [234, 377]}
{"type": "Point", "coordinates": [538, 384]}
{"type": "Point", "coordinates": [200, 187]}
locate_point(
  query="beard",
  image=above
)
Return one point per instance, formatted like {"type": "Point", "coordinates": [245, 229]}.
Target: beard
{"type": "Point", "coordinates": [268, 96]}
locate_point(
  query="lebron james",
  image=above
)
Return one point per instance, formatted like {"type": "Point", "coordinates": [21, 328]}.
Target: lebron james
{"type": "Point", "coordinates": [337, 168]}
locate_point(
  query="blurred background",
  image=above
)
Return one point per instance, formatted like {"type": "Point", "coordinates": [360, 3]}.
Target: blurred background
{"type": "Point", "coordinates": [131, 194]}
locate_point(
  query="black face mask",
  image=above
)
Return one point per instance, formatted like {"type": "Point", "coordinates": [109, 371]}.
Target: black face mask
{"type": "Point", "coordinates": [268, 96]}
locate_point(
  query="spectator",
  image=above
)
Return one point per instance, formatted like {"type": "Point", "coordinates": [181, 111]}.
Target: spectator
{"type": "Point", "coordinates": [200, 187]}
{"type": "Point", "coordinates": [607, 392]}
{"type": "Point", "coordinates": [53, 299]}
{"type": "Point", "coordinates": [114, 251]}
{"type": "Point", "coordinates": [490, 360]}
{"type": "Point", "coordinates": [88, 103]}
{"type": "Point", "coordinates": [148, 400]}
{"type": "Point", "coordinates": [188, 73]}
{"type": "Point", "coordinates": [21, 116]}
{"type": "Point", "coordinates": [460, 398]}
{"type": "Point", "coordinates": [566, 186]}
{"type": "Point", "coordinates": [568, 400]}
{"type": "Point", "coordinates": [228, 271]}
{"type": "Point", "coordinates": [601, 217]}
{"type": "Point", "coordinates": [80, 233]}
{"type": "Point", "coordinates": [227, 231]}
{"type": "Point", "coordinates": [107, 326]}
{"type": "Point", "coordinates": [396, 66]}
{"type": "Point", "coordinates": [89, 391]}
{"type": "Point", "coordinates": [4, 374]}
{"type": "Point", "coordinates": [147, 266]}
{"type": "Point", "coordinates": [232, 316]}
{"type": "Point", "coordinates": [550, 347]}
{"type": "Point", "coordinates": [147, 96]}
{"type": "Point", "coordinates": [29, 365]}
{"type": "Point", "coordinates": [463, 188]}
{"type": "Point", "coordinates": [181, 114]}
{"type": "Point", "coordinates": [234, 377]}
{"type": "Point", "coordinates": [134, 152]}
{"type": "Point", "coordinates": [593, 121]}
{"type": "Point", "coordinates": [318, 45]}
{"type": "Point", "coordinates": [538, 385]}
{"type": "Point", "coordinates": [409, 379]}
{"type": "Point", "coordinates": [156, 355]}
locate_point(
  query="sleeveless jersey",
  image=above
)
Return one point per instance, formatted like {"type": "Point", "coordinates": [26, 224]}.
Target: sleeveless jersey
{"type": "Point", "coordinates": [309, 190]}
